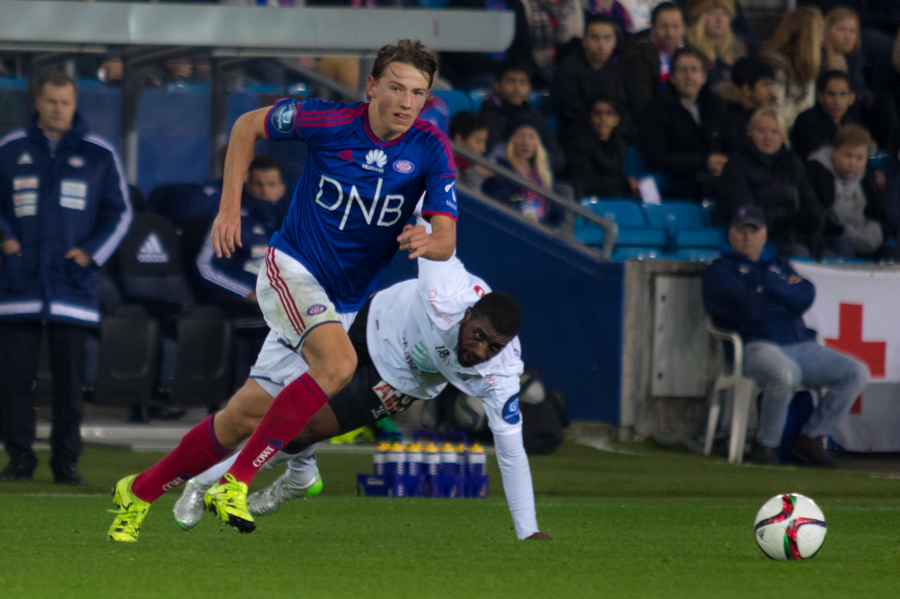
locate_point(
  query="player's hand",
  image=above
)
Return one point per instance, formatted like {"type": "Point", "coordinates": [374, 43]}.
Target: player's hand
{"type": "Point", "coordinates": [80, 256]}
{"type": "Point", "coordinates": [414, 239]}
{"type": "Point", "coordinates": [11, 246]}
{"type": "Point", "coordinates": [539, 536]}
{"type": "Point", "coordinates": [226, 233]}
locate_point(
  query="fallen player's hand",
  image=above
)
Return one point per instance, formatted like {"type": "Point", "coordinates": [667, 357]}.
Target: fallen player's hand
{"type": "Point", "coordinates": [226, 233]}
{"type": "Point", "coordinates": [539, 536]}
{"type": "Point", "coordinates": [414, 240]}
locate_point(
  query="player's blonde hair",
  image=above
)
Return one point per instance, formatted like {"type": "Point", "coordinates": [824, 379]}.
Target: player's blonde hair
{"type": "Point", "coordinates": [411, 52]}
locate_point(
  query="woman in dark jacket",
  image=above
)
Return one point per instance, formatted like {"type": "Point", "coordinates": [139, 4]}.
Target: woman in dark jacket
{"type": "Point", "coordinates": [769, 175]}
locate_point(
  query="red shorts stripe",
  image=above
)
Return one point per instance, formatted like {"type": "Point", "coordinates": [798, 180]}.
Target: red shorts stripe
{"type": "Point", "coordinates": [284, 295]}
{"type": "Point", "coordinates": [287, 292]}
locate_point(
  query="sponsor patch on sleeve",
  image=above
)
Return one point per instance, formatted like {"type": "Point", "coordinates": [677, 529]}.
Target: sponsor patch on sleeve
{"type": "Point", "coordinates": [284, 118]}
{"type": "Point", "coordinates": [511, 410]}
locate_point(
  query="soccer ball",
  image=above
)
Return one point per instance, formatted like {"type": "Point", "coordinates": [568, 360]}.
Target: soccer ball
{"type": "Point", "coordinates": [790, 526]}
{"type": "Point", "coordinates": [468, 413]}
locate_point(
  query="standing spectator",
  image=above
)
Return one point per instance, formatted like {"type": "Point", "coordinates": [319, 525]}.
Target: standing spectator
{"type": "Point", "coordinates": [470, 131]}
{"type": "Point", "coordinates": [588, 74]}
{"type": "Point", "coordinates": [613, 9]}
{"type": "Point", "coordinates": [552, 24]}
{"type": "Point", "coordinates": [751, 87]}
{"type": "Point", "coordinates": [710, 32]}
{"type": "Point", "coordinates": [596, 158]}
{"type": "Point", "coordinates": [795, 53]}
{"type": "Point", "coordinates": [766, 174]}
{"type": "Point", "coordinates": [64, 209]}
{"type": "Point", "coordinates": [855, 221]}
{"type": "Point", "coordinates": [509, 100]}
{"type": "Point", "coordinates": [526, 155]}
{"type": "Point", "coordinates": [686, 132]}
{"type": "Point", "coordinates": [646, 62]}
{"type": "Point", "coordinates": [752, 290]}
{"type": "Point", "coordinates": [817, 126]}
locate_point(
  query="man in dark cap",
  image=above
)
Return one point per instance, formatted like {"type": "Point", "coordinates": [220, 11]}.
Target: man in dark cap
{"type": "Point", "coordinates": [753, 291]}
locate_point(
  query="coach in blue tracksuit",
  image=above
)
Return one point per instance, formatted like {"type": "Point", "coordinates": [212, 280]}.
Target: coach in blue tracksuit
{"type": "Point", "coordinates": [63, 209]}
{"type": "Point", "coordinates": [753, 291]}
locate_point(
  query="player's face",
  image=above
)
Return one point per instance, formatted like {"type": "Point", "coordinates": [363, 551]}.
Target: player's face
{"type": "Point", "coordinates": [478, 341]}
{"type": "Point", "coordinates": [56, 108]}
{"type": "Point", "coordinates": [599, 41]}
{"type": "Point", "coordinates": [748, 240]}
{"type": "Point", "coordinates": [850, 161]}
{"type": "Point", "coordinates": [396, 99]}
{"type": "Point", "coordinates": [266, 185]}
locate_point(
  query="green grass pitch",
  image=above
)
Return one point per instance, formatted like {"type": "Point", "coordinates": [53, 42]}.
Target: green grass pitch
{"type": "Point", "coordinates": [658, 524]}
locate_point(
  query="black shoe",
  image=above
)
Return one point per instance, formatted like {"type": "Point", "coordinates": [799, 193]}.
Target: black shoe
{"type": "Point", "coordinates": [67, 474]}
{"type": "Point", "coordinates": [21, 468]}
{"type": "Point", "coordinates": [761, 454]}
{"type": "Point", "coordinates": [812, 452]}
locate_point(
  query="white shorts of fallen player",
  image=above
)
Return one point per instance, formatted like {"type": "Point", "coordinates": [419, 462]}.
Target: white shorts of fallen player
{"type": "Point", "coordinates": [293, 303]}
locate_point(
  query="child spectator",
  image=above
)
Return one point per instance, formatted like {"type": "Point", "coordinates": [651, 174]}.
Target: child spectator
{"type": "Point", "coordinates": [686, 131]}
{"type": "Point", "coordinates": [510, 100]}
{"type": "Point", "coordinates": [817, 126]}
{"type": "Point", "coordinates": [470, 131]}
{"type": "Point", "coordinates": [596, 158]}
{"type": "Point", "coordinates": [526, 155]}
{"type": "Point", "coordinates": [710, 32]}
{"type": "Point", "coordinates": [646, 62]}
{"type": "Point", "coordinates": [751, 87]}
{"type": "Point", "coordinates": [613, 9]}
{"type": "Point", "coordinates": [795, 53]}
{"type": "Point", "coordinates": [765, 173]}
{"type": "Point", "coordinates": [592, 72]}
{"type": "Point", "coordinates": [855, 221]}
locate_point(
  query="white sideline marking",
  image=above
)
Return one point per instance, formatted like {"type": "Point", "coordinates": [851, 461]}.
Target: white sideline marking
{"type": "Point", "coordinates": [67, 495]}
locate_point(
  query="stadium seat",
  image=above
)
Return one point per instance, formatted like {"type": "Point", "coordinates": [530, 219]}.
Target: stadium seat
{"type": "Point", "coordinates": [633, 230]}
{"type": "Point", "coordinates": [456, 100]}
{"type": "Point", "coordinates": [203, 374]}
{"type": "Point", "coordinates": [621, 254]}
{"type": "Point", "coordinates": [129, 341]}
{"type": "Point", "coordinates": [635, 167]}
{"type": "Point", "coordinates": [696, 254]}
{"type": "Point", "coordinates": [477, 96]}
{"type": "Point", "coordinates": [685, 225]}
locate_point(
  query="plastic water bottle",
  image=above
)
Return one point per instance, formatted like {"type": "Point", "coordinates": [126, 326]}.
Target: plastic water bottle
{"type": "Point", "coordinates": [477, 460]}
{"type": "Point", "coordinates": [414, 460]}
{"type": "Point", "coordinates": [395, 463]}
{"type": "Point", "coordinates": [380, 458]}
{"type": "Point", "coordinates": [432, 460]}
{"type": "Point", "coordinates": [449, 464]}
{"type": "Point", "coordinates": [461, 458]}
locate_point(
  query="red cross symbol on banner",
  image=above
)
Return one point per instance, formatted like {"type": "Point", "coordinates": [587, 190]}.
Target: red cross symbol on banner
{"type": "Point", "coordinates": [850, 341]}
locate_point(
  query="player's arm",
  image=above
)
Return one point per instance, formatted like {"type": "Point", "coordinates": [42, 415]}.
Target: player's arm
{"type": "Point", "coordinates": [226, 230]}
{"type": "Point", "coordinates": [438, 245]}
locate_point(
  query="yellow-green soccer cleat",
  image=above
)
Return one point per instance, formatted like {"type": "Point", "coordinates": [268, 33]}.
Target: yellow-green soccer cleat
{"type": "Point", "coordinates": [130, 513]}
{"type": "Point", "coordinates": [229, 503]}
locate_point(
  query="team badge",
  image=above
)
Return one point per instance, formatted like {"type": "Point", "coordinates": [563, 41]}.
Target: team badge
{"type": "Point", "coordinates": [284, 117]}
{"type": "Point", "coordinates": [317, 309]}
{"type": "Point", "coordinates": [404, 167]}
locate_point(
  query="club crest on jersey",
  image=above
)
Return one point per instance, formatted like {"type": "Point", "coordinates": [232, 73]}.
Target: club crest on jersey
{"type": "Point", "coordinates": [375, 160]}
{"type": "Point", "coordinates": [317, 309]}
{"type": "Point", "coordinates": [404, 167]}
{"type": "Point", "coordinates": [283, 118]}
{"type": "Point", "coordinates": [511, 410]}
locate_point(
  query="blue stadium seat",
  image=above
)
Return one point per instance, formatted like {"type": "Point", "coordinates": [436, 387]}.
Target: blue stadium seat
{"type": "Point", "coordinates": [456, 100]}
{"type": "Point", "coordinates": [627, 215]}
{"type": "Point", "coordinates": [622, 254]}
{"type": "Point", "coordinates": [695, 254]}
{"type": "Point", "coordinates": [685, 224]}
{"type": "Point", "coordinates": [635, 167]}
{"type": "Point", "coordinates": [477, 96]}
{"type": "Point", "coordinates": [539, 100]}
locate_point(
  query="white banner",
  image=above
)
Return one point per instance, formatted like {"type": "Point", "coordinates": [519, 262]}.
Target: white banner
{"type": "Point", "coordinates": [856, 311]}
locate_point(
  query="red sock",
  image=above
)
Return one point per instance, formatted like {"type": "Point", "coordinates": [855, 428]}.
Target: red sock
{"type": "Point", "coordinates": [199, 449]}
{"type": "Point", "coordinates": [290, 412]}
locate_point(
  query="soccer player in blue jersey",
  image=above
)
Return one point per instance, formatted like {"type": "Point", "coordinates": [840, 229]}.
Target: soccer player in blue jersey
{"type": "Point", "coordinates": [367, 166]}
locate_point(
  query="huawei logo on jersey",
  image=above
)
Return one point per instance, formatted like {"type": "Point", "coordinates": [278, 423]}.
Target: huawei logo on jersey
{"type": "Point", "coordinates": [375, 161]}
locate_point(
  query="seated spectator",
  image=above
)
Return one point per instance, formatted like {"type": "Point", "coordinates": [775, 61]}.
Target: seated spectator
{"type": "Point", "coordinates": [686, 131]}
{"type": "Point", "coordinates": [766, 174]}
{"type": "Point", "coordinates": [526, 155]}
{"type": "Point", "coordinates": [752, 290]}
{"type": "Point", "coordinates": [795, 53]}
{"type": "Point", "coordinates": [855, 221]}
{"type": "Point", "coordinates": [596, 158]}
{"type": "Point", "coordinates": [470, 131]}
{"type": "Point", "coordinates": [645, 62]}
{"type": "Point", "coordinates": [509, 100]}
{"type": "Point", "coordinates": [710, 32]}
{"type": "Point", "coordinates": [582, 76]}
{"type": "Point", "coordinates": [817, 126]}
{"type": "Point", "coordinates": [613, 9]}
{"type": "Point", "coordinates": [552, 24]}
{"type": "Point", "coordinates": [750, 88]}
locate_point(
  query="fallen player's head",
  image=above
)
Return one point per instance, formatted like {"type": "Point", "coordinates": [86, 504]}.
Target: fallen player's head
{"type": "Point", "coordinates": [487, 328]}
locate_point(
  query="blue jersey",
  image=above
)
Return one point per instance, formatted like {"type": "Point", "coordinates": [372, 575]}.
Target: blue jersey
{"type": "Point", "coordinates": [356, 193]}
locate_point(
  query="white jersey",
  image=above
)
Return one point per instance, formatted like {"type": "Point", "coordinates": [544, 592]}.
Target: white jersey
{"type": "Point", "coordinates": [413, 334]}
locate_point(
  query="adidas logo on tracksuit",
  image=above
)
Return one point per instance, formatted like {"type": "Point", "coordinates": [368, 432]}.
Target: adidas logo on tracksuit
{"type": "Point", "coordinates": [152, 251]}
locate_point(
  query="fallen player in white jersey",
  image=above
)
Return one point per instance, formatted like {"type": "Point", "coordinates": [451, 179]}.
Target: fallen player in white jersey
{"type": "Point", "coordinates": [411, 340]}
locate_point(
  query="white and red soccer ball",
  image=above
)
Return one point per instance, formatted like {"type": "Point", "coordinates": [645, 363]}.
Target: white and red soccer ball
{"type": "Point", "coordinates": [790, 526]}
